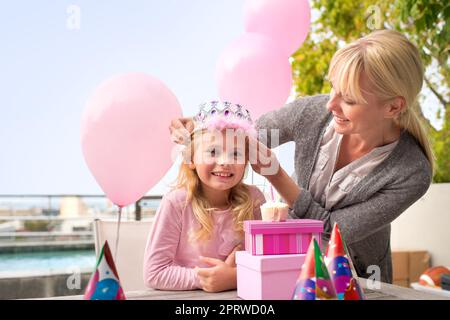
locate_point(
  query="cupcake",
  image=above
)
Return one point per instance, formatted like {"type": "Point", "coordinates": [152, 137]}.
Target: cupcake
{"type": "Point", "coordinates": [274, 211]}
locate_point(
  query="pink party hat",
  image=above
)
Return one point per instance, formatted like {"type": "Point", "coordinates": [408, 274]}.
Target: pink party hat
{"type": "Point", "coordinates": [341, 268]}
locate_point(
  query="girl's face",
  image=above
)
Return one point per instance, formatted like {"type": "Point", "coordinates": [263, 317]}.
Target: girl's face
{"type": "Point", "coordinates": [351, 117]}
{"type": "Point", "coordinates": [220, 158]}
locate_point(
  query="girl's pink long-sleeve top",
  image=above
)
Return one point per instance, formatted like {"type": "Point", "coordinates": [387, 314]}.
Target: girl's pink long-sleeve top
{"type": "Point", "coordinates": [170, 258]}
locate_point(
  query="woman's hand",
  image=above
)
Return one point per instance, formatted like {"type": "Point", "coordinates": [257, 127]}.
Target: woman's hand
{"type": "Point", "coordinates": [180, 130]}
{"type": "Point", "coordinates": [221, 276]}
{"type": "Point", "coordinates": [262, 159]}
{"type": "Point", "coordinates": [267, 165]}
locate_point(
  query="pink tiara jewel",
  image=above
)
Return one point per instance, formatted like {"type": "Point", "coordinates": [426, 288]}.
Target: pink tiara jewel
{"type": "Point", "coordinates": [224, 115]}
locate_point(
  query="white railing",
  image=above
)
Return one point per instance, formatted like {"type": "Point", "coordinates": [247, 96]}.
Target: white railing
{"type": "Point", "coordinates": [45, 234]}
{"type": "Point", "coordinates": [15, 232]}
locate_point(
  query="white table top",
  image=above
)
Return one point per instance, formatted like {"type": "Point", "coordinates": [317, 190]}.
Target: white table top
{"type": "Point", "coordinates": [385, 292]}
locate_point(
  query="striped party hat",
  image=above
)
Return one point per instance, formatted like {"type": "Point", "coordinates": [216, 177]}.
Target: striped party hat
{"type": "Point", "coordinates": [104, 283]}
{"type": "Point", "coordinates": [314, 282]}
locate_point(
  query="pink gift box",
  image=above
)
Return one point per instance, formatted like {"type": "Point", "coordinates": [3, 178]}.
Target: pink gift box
{"type": "Point", "coordinates": [267, 277]}
{"type": "Point", "coordinates": [287, 237]}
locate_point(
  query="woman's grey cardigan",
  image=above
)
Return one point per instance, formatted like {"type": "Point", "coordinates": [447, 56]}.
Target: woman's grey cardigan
{"type": "Point", "coordinates": [365, 214]}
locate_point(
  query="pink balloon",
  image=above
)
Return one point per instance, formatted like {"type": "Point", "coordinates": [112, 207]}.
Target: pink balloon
{"type": "Point", "coordinates": [254, 72]}
{"type": "Point", "coordinates": [124, 135]}
{"type": "Point", "coordinates": [286, 21]}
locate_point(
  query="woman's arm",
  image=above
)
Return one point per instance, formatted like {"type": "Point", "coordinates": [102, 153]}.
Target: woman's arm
{"type": "Point", "coordinates": [180, 130]}
{"type": "Point", "coordinates": [361, 220]}
{"type": "Point", "coordinates": [356, 221]}
{"type": "Point", "coordinates": [283, 125]}
{"type": "Point", "coordinates": [274, 127]}
{"type": "Point", "coordinates": [265, 163]}
{"type": "Point", "coordinates": [159, 270]}
{"type": "Point", "coordinates": [285, 186]}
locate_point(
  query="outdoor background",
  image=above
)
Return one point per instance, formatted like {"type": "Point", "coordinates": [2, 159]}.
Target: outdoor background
{"type": "Point", "coordinates": [55, 53]}
{"type": "Point", "coordinates": [49, 68]}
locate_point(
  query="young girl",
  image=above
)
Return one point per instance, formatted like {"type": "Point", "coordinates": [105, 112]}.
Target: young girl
{"type": "Point", "coordinates": [199, 224]}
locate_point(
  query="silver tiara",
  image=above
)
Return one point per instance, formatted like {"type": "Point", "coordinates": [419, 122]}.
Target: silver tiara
{"type": "Point", "coordinates": [227, 109]}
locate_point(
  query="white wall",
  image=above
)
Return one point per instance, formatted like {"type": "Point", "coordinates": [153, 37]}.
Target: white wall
{"type": "Point", "coordinates": [426, 225]}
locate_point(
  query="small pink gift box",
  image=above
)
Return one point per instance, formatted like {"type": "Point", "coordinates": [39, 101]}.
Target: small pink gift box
{"type": "Point", "coordinates": [292, 236]}
{"type": "Point", "coordinates": [267, 277]}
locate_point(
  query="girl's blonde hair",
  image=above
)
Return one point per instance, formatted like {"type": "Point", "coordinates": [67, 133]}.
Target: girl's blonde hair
{"type": "Point", "coordinates": [240, 198]}
{"type": "Point", "coordinates": [394, 68]}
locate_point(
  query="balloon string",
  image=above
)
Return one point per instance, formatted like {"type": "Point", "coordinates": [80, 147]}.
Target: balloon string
{"type": "Point", "coordinates": [117, 235]}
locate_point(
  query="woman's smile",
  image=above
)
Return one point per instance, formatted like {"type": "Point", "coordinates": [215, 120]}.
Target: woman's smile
{"type": "Point", "coordinates": [340, 120]}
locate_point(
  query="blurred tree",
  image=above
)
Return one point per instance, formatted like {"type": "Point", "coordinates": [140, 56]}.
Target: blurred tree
{"type": "Point", "coordinates": [31, 225]}
{"type": "Point", "coordinates": [424, 22]}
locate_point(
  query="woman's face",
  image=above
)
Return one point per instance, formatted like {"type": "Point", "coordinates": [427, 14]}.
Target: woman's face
{"type": "Point", "coordinates": [351, 117]}
{"type": "Point", "coordinates": [220, 159]}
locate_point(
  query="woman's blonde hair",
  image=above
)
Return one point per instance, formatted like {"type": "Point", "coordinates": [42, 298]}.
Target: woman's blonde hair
{"type": "Point", "coordinates": [240, 199]}
{"type": "Point", "coordinates": [394, 68]}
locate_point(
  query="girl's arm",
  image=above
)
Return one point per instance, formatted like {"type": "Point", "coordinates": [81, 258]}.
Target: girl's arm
{"type": "Point", "coordinates": [160, 272]}
{"type": "Point", "coordinates": [221, 275]}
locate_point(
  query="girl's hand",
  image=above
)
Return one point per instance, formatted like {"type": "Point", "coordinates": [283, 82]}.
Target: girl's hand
{"type": "Point", "coordinates": [221, 276]}
{"type": "Point", "coordinates": [180, 130]}
{"type": "Point", "coordinates": [262, 159]}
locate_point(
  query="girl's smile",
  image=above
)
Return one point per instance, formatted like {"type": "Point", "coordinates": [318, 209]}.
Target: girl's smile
{"type": "Point", "coordinates": [222, 174]}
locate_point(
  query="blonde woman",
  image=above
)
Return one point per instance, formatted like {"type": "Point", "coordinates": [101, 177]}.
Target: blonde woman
{"type": "Point", "coordinates": [199, 224]}
{"type": "Point", "coordinates": [361, 155]}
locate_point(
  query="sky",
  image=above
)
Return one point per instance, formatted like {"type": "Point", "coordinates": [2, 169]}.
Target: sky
{"type": "Point", "coordinates": [49, 68]}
